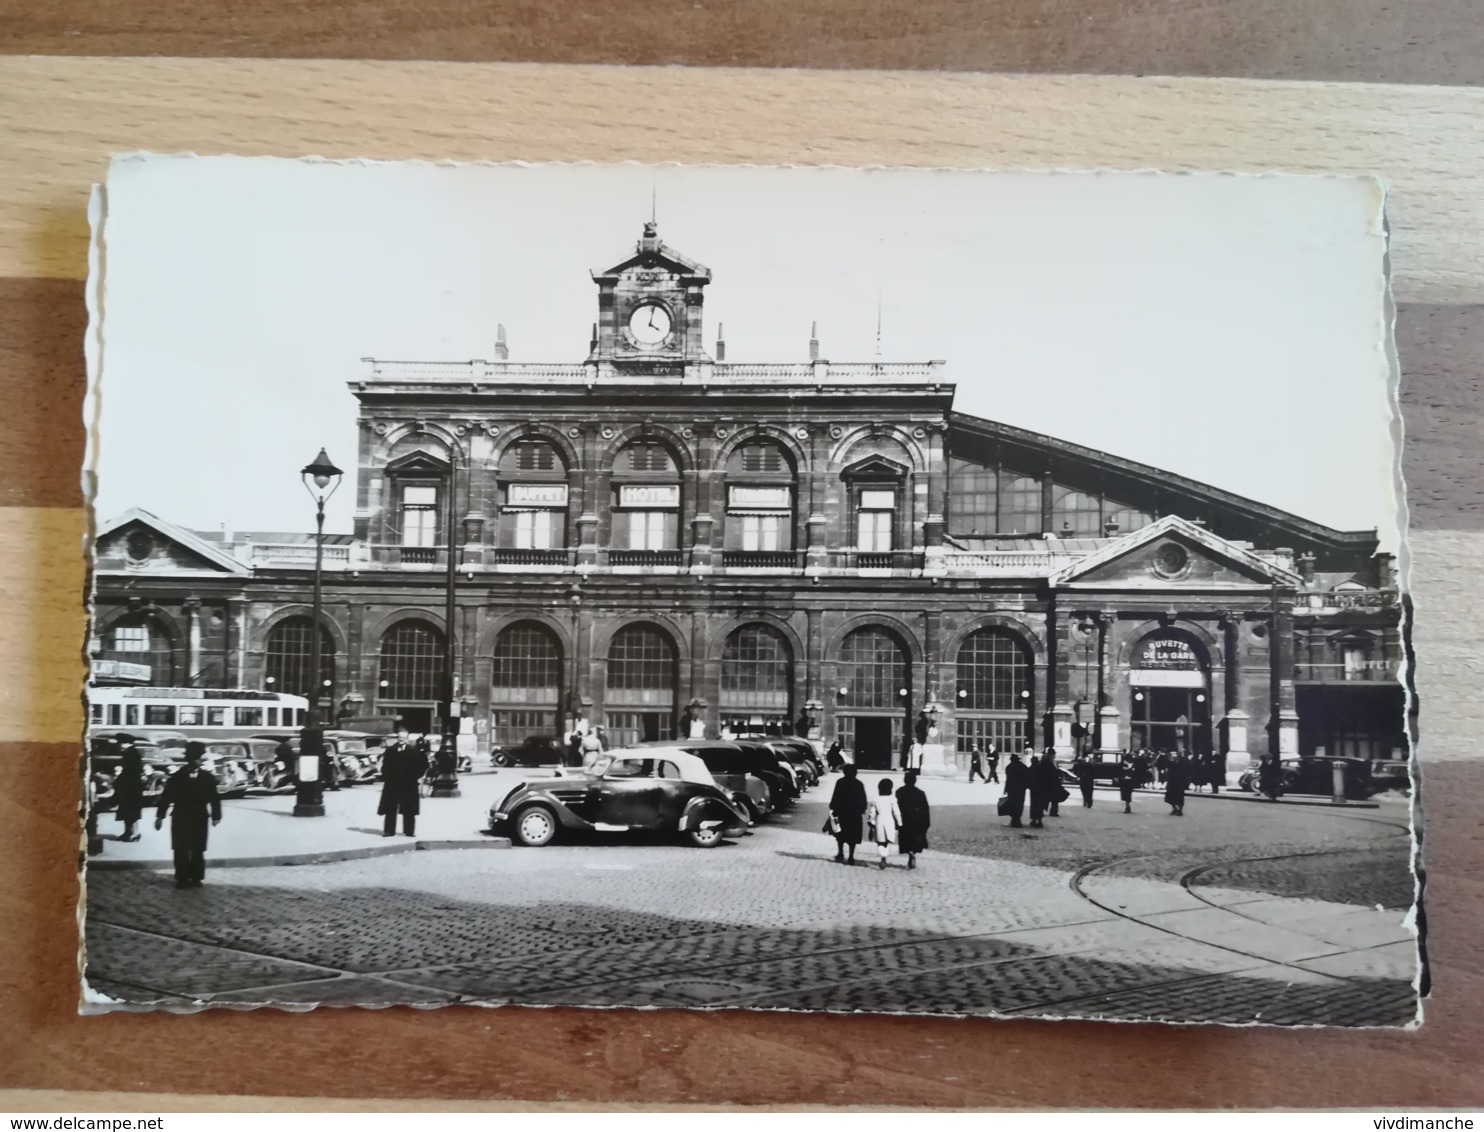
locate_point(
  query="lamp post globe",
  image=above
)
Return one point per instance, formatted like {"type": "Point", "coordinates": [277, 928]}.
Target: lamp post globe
{"type": "Point", "coordinates": [321, 479]}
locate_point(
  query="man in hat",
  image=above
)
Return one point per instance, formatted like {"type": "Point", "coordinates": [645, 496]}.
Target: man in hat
{"type": "Point", "coordinates": [191, 792]}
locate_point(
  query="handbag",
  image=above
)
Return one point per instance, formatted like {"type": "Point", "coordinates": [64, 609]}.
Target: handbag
{"type": "Point", "coordinates": [1002, 807]}
{"type": "Point", "coordinates": [831, 825]}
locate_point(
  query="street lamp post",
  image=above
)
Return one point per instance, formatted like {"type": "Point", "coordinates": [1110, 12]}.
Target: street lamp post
{"type": "Point", "coordinates": [446, 774]}
{"type": "Point", "coordinates": [321, 479]}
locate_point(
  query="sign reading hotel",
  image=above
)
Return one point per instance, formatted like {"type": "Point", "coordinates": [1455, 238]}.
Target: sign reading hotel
{"type": "Point", "coordinates": [537, 495]}
{"type": "Point", "coordinates": [646, 495]}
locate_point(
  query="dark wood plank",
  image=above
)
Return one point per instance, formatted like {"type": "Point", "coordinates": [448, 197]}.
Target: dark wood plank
{"type": "Point", "coordinates": [675, 1057]}
{"type": "Point", "coordinates": [1421, 41]}
{"type": "Point", "coordinates": [42, 385]}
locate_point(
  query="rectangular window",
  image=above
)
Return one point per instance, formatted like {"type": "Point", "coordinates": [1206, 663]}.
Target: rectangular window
{"type": "Point", "coordinates": [972, 497]}
{"type": "Point", "coordinates": [1020, 506]}
{"type": "Point", "coordinates": [652, 530]}
{"type": "Point", "coordinates": [114, 711]}
{"type": "Point", "coordinates": [188, 717]}
{"type": "Point", "coordinates": [762, 532]}
{"type": "Point", "coordinates": [159, 715]}
{"type": "Point", "coordinates": [873, 531]}
{"type": "Point", "coordinates": [419, 516]}
{"type": "Point", "coordinates": [95, 713]}
{"type": "Point", "coordinates": [131, 638]}
{"type": "Point", "coordinates": [249, 717]}
{"type": "Point", "coordinates": [273, 717]}
{"type": "Point", "coordinates": [131, 715]}
{"type": "Point", "coordinates": [512, 728]}
{"type": "Point", "coordinates": [216, 717]}
{"type": "Point", "coordinates": [535, 530]}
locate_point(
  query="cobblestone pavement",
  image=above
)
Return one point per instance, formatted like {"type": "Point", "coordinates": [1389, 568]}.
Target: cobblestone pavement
{"type": "Point", "coordinates": [1235, 913]}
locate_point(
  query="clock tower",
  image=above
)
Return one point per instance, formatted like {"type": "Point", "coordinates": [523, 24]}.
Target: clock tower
{"type": "Point", "coordinates": [649, 310]}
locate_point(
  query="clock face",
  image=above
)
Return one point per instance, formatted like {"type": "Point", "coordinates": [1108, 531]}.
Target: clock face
{"type": "Point", "coordinates": [650, 324]}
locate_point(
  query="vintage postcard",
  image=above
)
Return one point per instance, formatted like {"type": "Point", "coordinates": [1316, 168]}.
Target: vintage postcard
{"type": "Point", "coordinates": [874, 590]}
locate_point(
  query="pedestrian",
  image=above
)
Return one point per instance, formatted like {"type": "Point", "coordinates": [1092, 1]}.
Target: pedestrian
{"type": "Point", "coordinates": [1057, 788]}
{"type": "Point", "coordinates": [128, 787]}
{"type": "Point", "coordinates": [1161, 765]}
{"type": "Point", "coordinates": [847, 813]}
{"type": "Point", "coordinates": [283, 757]}
{"type": "Point", "coordinates": [1086, 777]}
{"type": "Point", "coordinates": [976, 764]}
{"type": "Point", "coordinates": [886, 821]}
{"type": "Point", "coordinates": [1215, 771]}
{"type": "Point", "coordinates": [1177, 778]}
{"type": "Point", "coordinates": [1017, 782]}
{"type": "Point", "coordinates": [1042, 773]}
{"type": "Point", "coordinates": [833, 758]}
{"type": "Point", "coordinates": [191, 794]}
{"type": "Point", "coordinates": [912, 804]}
{"type": "Point", "coordinates": [1128, 778]}
{"type": "Point", "coordinates": [592, 749]}
{"type": "Point", "coordinates": [402, 768]}
{"type": "Point", "coordinates": [914, 757]}
{"type": "Point", "coordinates": [992, 760]}
{"type": "Point", "coordinates": [1270, 777]}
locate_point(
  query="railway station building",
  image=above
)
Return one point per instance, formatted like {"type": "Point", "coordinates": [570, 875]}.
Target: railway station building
{"type": "Point", "coordinates": [664, 542]}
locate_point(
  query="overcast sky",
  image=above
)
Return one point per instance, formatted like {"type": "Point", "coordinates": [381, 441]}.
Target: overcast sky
{"type": "Point", "coordinates": [1228, 328]}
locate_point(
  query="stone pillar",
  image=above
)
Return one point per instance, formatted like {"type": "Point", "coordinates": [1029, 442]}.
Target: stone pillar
{"type": "Point", "coordinates": [700, 550]}
{"type": "Point", "coordinates": [1285, 711]}
{"type": "Point", "coordinates": [1234, 723]}
{"type": "Point", "coordinates": [236, 659]}
{"type": "Point", "coordinates": [934, 760]}
{"type": "Point", "coordinates": [937, 483]}
{"type": "Point", "coordinates": [1058, 731]}
{"type": "Point", "coordinates": [817, 522]}
{"type": "Point", "coordinates": [1109, 739]}
{"type": "Point", "coordinates": [588, 505]}
{"type": "Point", "coordinates": [192, 608]}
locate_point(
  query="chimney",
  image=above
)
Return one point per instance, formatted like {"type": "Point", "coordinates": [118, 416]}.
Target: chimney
{"type": "Point", "coordinates": [1306, 566]}
{"type": "Point", "coordinates": [814, 341]}
{"type": "Point", "coordinates": [502, 351]}
{"type": "Point", "coordinates": [721, 343]}
{"type": "Point", "coordinates": [593, 345]}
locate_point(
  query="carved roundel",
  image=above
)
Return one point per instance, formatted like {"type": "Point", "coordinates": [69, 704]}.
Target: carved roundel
{"type": "Point", "coordinates": [801, 434]}
{"type": "Point", "coordinates": [607, 433]}
{"type": "Point", "coordinates": [139, 545]}
{"type": "Point", "coordinates": [1171, 560]}
{"type": "Point", "coordinates": [836, 432]}
{"type": "Point", "coordinates": [722, 432]}
{"type": "Point", "coordinates": [574, 432]}
{"type": "Point", "coordinates": [380, 428]}
{"type": "Point", "coordinates": [919, 433]}
{"type": "Point", "coordinates": [688, 432]}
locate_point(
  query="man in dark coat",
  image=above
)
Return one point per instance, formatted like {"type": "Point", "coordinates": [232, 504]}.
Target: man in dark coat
{"type": "Point", "coordinates": [976, 764]}
{"type": "Point", "coordinates": [1177, 781]}
{"type": "Point", "coordinates": [916, 818]}
{"type": "Point", "coordinates": [1270, 777]}
{"type": "Point", "coordinates": [191, 793]}
{"type": "Point", "coordinates": [833, 759]}
{"type": "Point", "coordinates": [847, 813]}
{"type": "Point", "coordinates": [1128, 778]}
{"type": "Point", "coordinates": [1017, 782]}
{"type": "Point", "coordinates": [1044, 785]}
{"type": "Point", "coordinates": [992, 761]}
{"type": "Point", "coordinates": [1086, 777]}
{"type": "Point", "coordinates": [128, 787]}
{"type": "Point", "coordinates": [283, 755]}
{"type": "Point", "coordinates": [402, 768]}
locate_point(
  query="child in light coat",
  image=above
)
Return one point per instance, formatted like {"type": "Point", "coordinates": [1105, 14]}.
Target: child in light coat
{"type": "Point", "coordinates": [886, 820]}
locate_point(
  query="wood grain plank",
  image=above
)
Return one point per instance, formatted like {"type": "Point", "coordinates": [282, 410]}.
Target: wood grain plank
{"type": "Point", "coordinates": [1422, 41]}
{"type": "Point", "coordinates": [675, 1057]}
{"type": "Point", "coordinates": [62, 117]}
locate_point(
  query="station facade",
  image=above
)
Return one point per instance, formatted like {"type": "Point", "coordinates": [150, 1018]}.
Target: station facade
{"type": "Point", "coordinates": [662, 542]}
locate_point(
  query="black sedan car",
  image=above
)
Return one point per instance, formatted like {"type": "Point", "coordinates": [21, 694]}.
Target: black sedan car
{"type": "Point", "coordinates": [532, 752]}
{"type": "Point", "coordinates": [1316, 776]}
{"type": "Point", "coordinates": [625, 791]}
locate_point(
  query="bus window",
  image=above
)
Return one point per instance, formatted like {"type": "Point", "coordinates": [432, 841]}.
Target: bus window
{"type": "Point", "coordinates": [249, 717]}
{"type": "Point", "coordinates": [159, 715]}
{"type": "Point", "coordinates": [95, 713]}
{"type": "Point", "coordinates": [300, 713]}
{"type": "Point", "coordinates": [216, 717]}
{"type": "Point", "coordinates": [131, 715]}
{"type": "Point", "coordinates": [113, 714]}
{"type": "Point", "coordinates": [273, 717]}
{"type": "Point", "coordinates": [188, 716]}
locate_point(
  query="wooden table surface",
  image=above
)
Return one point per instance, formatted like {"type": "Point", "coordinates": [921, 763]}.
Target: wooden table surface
{"type": "Point", "coordinates": [527, 80]}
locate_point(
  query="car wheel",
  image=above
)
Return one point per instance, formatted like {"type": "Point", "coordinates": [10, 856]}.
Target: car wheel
{"type": "Point", "coordinates": [705, 838]}
{"type": "Point", "coordinates": [501, 759]}
{"type": "Point", "coordinates": [534, 826]}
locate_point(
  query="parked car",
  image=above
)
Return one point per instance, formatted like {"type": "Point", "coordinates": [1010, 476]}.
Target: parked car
{"type": "Point", "coordinates": [799, 752]}
{"type": "Point", "coordinates": [1307, 775]}
{"type": "Point", "coordinates": [103, 765]}
{"type": "Point", "coordinates": [534, 751]}
{"type": "Point", "coordinates": [357, 754]}
{"type": "Point", "coordinates": [780, 775]}
{"type": "Point", "coordinates": [733, 769]}
{"type": "Point", "coordinates": [163, 753]}
{"type": "Point", "coordinates": [628, 790]}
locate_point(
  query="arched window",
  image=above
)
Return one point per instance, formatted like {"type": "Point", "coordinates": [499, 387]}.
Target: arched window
{"type": "Point", "coordinates": [287, 657]}
{"type": "Point", "coordinates": [1076, 513]}
{"type": "Point", "coordinates": [412, 662]}
{"type": "Point", "coordinates": [874, 671]}
{"type": "Point", "coordinates": [993, 699]}
{"type": "Point", "coordinates": [533, 515]}
{"type": "Point", "coordinates": [141, 639]}
{"type": "Point", "coordinates": [526, 686]}
{"type": "Point", "coordinates": [760, 505]}
{"type": "Point", "coordinates": [1020, 505]}
{"type": "Point", "coordinates": [756, 680]}
{"type": "Point", "coordinates": [646, 502]}
{"type": "Point", "coordinates": [643, 685]}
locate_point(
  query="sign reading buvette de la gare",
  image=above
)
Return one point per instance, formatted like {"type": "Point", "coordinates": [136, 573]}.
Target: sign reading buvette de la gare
{"type": "Point", "coordinates": [537, 495]}
{"type": "Point", "coordinates": [1167, 652]}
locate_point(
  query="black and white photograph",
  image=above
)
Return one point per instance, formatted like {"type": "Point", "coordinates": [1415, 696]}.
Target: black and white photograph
{"type": "Point", "coordinates": [699, 587]}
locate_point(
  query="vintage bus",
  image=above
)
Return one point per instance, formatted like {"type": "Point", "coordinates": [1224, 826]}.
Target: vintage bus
{"type": "Point", "coordinates": [197, 713]}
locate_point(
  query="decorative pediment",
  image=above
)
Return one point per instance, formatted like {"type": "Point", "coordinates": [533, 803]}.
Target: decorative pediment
{"type": "Point", "coordinates": [1172, 553]}
{"type": "Point", "coordinates": [140, 542]}
{"type": "Point", "coordinates": [874, 467]}
{"type": "Point", "coordinates": [419, 463]}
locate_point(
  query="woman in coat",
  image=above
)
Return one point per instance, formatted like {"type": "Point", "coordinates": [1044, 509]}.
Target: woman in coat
{"type": "Point", "coordinates": [912, 804]}
{"type": "Point", "coordinates": [1017, 782]}
{"type": "Point", "coordinates": [402, 768]}
{"type": "Point", "coordinates": [886, 820]}
{"type": "Point", "coordinates": [128, 787]}
{"type": "Point", "coordinates": [1177, 779]}
{"type": "Point", "coordinates": [833, 758]}
{"type": "Point", "coordinates": [847, 813]}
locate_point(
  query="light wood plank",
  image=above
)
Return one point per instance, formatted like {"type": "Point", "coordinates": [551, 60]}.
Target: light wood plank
{"type": "Point", "coordinates": [60, 118]}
